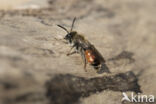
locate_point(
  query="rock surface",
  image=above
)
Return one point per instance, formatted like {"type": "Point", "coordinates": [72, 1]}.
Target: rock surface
{"type": "Point", "coordinates": [32, 51]}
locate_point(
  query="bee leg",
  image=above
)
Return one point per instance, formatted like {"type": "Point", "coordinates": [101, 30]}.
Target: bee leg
{"type": "Point", "coordinates": [61, 40]}
{"type": "Point", "coordinates": [85, 64]}
{"type": "Point", "coordinates": [70, 53]}
{"type": "Point", "coordinates": [84, 60]}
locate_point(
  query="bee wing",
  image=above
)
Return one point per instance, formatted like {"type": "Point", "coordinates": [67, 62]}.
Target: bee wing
{"type": "Point", "coordinates": [85, 44]}
{"type": "Point", "coordinates": [97, 53]}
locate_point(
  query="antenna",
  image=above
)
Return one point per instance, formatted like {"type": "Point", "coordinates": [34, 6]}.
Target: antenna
{"type": "Point", "coordinates": [73, 24]}
{"type": "Point", "coordinates": [63, 28]}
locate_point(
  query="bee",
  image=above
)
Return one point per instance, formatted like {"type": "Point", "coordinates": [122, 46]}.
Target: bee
{"type": "Point", "coordinates": [87, 50]}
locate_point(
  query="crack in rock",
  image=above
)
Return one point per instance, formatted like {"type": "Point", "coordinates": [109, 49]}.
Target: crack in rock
{"type": "Point", "coordinates": [68, 89]}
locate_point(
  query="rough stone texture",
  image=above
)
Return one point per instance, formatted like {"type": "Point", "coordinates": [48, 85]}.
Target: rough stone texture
{"type": "Point", "coordinates": [31, 50]}
{"type": "Point", "coordinates": [63, 89]}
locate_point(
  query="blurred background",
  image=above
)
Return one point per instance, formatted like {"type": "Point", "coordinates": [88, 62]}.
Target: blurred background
{"type": "Point", "coordinates": [124, 31]}
{"type": "Point", "coordinates": [21, 4]}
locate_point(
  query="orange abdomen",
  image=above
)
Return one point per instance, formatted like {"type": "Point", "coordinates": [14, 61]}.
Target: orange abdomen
{"type": "Point", "coordinates": [89, 56]}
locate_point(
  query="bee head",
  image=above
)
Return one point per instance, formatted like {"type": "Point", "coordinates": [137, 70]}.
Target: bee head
{"type": "Point", "coordinates": [70, 34]}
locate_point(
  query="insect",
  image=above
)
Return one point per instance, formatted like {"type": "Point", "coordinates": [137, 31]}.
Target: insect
{"type": "Point", "coordinates": [87, 50]}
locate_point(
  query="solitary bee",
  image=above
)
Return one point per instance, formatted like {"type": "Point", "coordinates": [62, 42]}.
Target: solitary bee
{"type": "Point", "coordinates": [87, 50]}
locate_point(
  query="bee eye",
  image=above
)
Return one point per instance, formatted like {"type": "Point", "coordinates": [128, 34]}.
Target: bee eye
{"type": "Point", "coordinates": [67, 36]}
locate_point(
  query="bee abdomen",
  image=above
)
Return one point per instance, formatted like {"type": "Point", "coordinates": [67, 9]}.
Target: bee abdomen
{"type": "Point", "coordinates": [89, 56]}
{"type": "Point", "coordinates": [94, 61]}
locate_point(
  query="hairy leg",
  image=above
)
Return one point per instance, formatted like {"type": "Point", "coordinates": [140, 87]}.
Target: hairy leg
{"type": "Point", "coordinates": [69, 52]}
{"type": "Point", "coordinates": [84, 60]}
